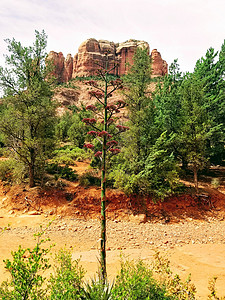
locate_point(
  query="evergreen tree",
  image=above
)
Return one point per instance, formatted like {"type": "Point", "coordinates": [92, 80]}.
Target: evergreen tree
{"type": "Point", "coordinates": [28, 120]}
{"type": "Point", "coordinates": [136, 167]}
{"type": "Point", "coordinates": [211, 71]}
{"type": "Point", "coordinates": [196, 127]}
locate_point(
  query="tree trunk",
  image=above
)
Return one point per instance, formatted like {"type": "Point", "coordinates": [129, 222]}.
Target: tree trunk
{"type": "Point", "coordinates": [196, 179]}
{"type": "Point", "coordinates": [31, 176]}
{"type": "Point", "coordinates": [31, 168]}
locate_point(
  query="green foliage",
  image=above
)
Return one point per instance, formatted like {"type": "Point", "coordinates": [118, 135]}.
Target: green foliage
{"type": "Point", "coordinates": [64, 172]}
{"type": "Point", "coordinates": [212, 288]}
{"type": "Point", "coordinates": [77, 131]}
{"type": "Point", "coordinates": [210, 70]}
{"type": "Point", "coordinates": [12, 171]}
{"type": "Point", "coordinates": [158, 173]}
{"type": "Point", "coordinates": [67, 281]}
{"type": "Point", "coordinates": [135, 282]}
{"type": "Point", "coordinates": [71, 128]}
{"type": "Point", "coordinates": [26, 270]}
{"type": "Point", "coordinates": [90, 178]}
{"type": "Point", "coordinates": [6, 169]}
{"type": "Point", "coordinates": [96, 290]}
{"type": "Point", "coordinates": [174, 286]}
{"type": "Point", "coordinates": [147, 163]}
{"type": "Point", "coordinates": [69, 155]}
{"type": "Point", "coordinates": [63, 125]}
{"type": "Point", "coordinates": [28, 119]}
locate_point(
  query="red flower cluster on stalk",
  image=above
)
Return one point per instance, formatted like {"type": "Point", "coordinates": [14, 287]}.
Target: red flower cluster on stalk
{"type": "Point", "coordinates": [111, 143]}
{"type": "Point", "coordinates": [104, 133]}
{"type": "Point", "coordinates": [110, 121]}
{"type": "Point", "coordinates": [118, 82]}
{"type": "Point", "coordinates": [92, 132]}
{"type": "Point", "coordinates": [98, 154]}
{"type": "Point", "coordinates": [92, 83]}
{"type": "Point", "coordinates": [111, 107]}
{"type": "Point", "coordinates": [91, 107]}
{"type": "Point", "coordinates": [89, 146]}
{"type": "Point", "coordinates": [121, 103]}
{"type": "Point", "coordinates": [114, 150]}
{"type": "Point", "coordinates": [122, 128]}
{"type": "Point", "coordinates": [96, 94]}
{"type": "Point", "coordinates": [89, 120]}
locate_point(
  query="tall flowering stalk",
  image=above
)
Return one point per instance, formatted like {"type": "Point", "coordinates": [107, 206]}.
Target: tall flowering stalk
{"type": "Point", "coordinates": [105, 116]}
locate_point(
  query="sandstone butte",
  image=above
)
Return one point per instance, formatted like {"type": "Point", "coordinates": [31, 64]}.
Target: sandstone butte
{"type": "Point", "coordinates": [91, 53]}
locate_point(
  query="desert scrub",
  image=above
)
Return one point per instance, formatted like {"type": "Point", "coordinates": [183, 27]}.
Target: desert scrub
{"type": "Point", "coordinates": [90, 178]}
{"type": "Point", "coordinates": [215, 183]}
{"type": "Point", "coordinates": [66, 282]}
{"type": "Point", "coordinates": [182, 290]}
{"type": "Point", "coordinates": [12, 171]}
{"type": "Point", "coordinates": [64, 172]}
{"type": "Point", "coordinates": [135, 282]}
{"type": "Point", "coordinates": [26, 270]}
{"type": "Point", "coordinates": [69, 155]}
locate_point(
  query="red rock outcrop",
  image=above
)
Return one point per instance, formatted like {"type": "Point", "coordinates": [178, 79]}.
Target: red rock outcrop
{"type": "Point", "coordinates": [125, 52]}
{"type": "Point", "coordinates": [91, 54]}
{"type": "Point", "coordinates": [58, 61]}
{"type": "Point", "coordinates": [159, 66]}
{"type": "Point", "coordinates": [68, 68]}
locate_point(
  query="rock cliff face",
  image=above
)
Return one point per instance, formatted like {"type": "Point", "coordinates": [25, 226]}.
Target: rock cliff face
{"type": "Point", "coordinates": [91, 54]}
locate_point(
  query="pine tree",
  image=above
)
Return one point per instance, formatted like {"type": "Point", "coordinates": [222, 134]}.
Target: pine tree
{"type": "Point", "coordinates": [28, 120]}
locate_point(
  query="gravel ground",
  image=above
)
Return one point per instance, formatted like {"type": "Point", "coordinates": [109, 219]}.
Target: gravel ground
{"type": "Point", "coordinates": [122, 235]}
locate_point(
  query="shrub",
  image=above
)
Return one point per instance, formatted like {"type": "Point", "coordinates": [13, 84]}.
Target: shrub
{"type": "Point", "coordinates": [67, 282]}
{"type": "Point", "coordinates": [135, 282]}
{"type": "Point", "coordinates": [215, 183]}
{"type": "Point", "coordinates": [69, 154]}
{"type": "Point", "coordinates": [12, 171]}
{"type": "Point", "coordinates": [89, 178]}
{"type": "Point", "coordinates": [172, 282]}
{"type": "Point", "coordinates": [26, 270]}
{"type": "Point", "coordinates": [62, 172]}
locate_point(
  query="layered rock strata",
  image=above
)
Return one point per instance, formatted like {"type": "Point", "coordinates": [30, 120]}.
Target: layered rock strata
{"type": "Point", "coordinates": [91, 54]}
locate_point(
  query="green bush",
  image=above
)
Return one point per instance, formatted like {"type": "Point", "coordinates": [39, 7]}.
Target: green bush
{"type": "Point", "coordinates": [61, 172]}
{"type": "Point", "coordinates": [12, 171]}
{"type": "Point", "coordinates": [135, 282]}
{"type": "Point", "coordinates": [26, 270]}
{"type": "Point", "coordinates": [69, 155]}
{"type": "Point", "coordinates": [67, 281]}
{"type": "Point", "coordinates": [89, 178]}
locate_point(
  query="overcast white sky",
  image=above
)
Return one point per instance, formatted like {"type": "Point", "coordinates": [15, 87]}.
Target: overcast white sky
{"type": "Point", "coordinates": [182, 29]}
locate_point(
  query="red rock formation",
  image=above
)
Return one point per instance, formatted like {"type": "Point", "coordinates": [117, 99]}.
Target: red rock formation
{"type": "Point", "coordinates": [58, 61]}
{"type": "Point", "coordinates": [159, 66]}
{"type": "Point", "coordinates": [125, 52]}
{"type": "Point", "coordinates": [91, 54]}
{"type": "Point", "coordinates": [68, 68]}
